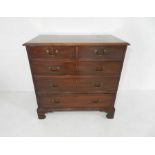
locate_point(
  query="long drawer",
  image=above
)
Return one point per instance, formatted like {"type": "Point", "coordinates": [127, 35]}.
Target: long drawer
{"type": "Point", "coordinates": [76, 101]}
{"type": "Point", "coordinates": [45, 67]}
{"type": "Point", "coordinates": [76, 84]}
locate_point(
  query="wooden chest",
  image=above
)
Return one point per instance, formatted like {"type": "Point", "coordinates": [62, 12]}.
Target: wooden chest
{"type": "Point", "coordinates": [76, 72]}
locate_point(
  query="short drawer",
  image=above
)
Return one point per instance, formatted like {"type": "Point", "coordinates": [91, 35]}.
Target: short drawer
{"type": "Point", "coordinates": [100, 68]}
{"type": "Point", "coordinates": [52, 52]}
{"type": "Point", "coordinates": [76, 85]}
{"type": "Point", "coordinates": [101, 52]}
{"type": "Point", "coordinates": [45, 67]}
{"type": "Point", "coordinates": [97, 84]}
{"type": "Point", "coordinates": [55, 85]}
{"type": "Point", "coordinates": [95, 101]}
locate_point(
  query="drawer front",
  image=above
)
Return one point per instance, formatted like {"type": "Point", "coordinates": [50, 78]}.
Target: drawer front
{"type": "Point", "coordinates": [55, 52]}
{"type": "Point", "coordinates": [76, 101]}
{"type": "Point", "coordinates": [101, 52]}
{"type": "Point", "coordinates": [100, 68]}
{"type": "Point", "coordinates": [97, 85]}
{"type": "Point", "coordinates": [44, 67]}
{"type": "Point", "coordinates": [55, 85]}
{"type": "Point", "coordinates": [76, 85]}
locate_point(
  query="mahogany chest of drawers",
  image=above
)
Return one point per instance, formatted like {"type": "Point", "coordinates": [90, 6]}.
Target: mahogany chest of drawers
{"type": "Point", "coordinates": [76, 72]}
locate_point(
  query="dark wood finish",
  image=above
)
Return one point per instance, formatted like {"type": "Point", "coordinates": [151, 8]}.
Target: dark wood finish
{"type": "Point", "coordinates": [76, 72]}
{"type": "Point", "coordinates": [76, 84]}
{"type": "Point", "coordinates": [52, 52]}
{"type": "Point", "coordinates": [97, 101]}
{"type": "Point", "coordinates": [101, 52]}
{"type": "Point", "coordinates": [99, 68]}
{"type": "Point", "coordinates": [72, 40]}
{"type": "Point", "coordinates": [45, 67]}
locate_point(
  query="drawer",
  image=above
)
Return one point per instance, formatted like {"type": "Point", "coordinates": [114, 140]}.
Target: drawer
{"type": "Point", "coordinates": [97, 84]}
{"type": "Point", "coordinates": [100, 68]}
{"type": "Point", "coordinates": [76, 101]}
{"type": "Point", "coordinates": [101, 52]}
{"type": "Point", "coordinates": [76, 85]}
{"type": "Point", "coordinates": [55, 85]}
{"type": "Point", "coordinates": [45, 67]}
{"type": "Point", "coordinates": [52, 52]}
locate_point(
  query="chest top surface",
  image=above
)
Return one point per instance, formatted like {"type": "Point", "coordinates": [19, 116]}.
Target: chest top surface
{"type": "Point", "coordinates": [75, 40]}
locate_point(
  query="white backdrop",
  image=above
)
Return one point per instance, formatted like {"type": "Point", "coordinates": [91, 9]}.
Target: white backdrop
{"type": "Point", "coordinates": [139, 68]}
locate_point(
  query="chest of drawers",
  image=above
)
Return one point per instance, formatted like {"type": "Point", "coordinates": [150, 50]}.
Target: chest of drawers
{"type": "Point", "coordinates": [76, 72]}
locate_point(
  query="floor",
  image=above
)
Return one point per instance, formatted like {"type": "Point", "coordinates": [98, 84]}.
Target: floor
{"type": "Point", "coordinates": [135, 116]}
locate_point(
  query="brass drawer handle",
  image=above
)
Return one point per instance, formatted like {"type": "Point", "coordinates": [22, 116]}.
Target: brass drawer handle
{"type": "Point", "coordinates": [100, 52]}
{"type": "Point", "coordinates": [54, 68]}
{"type": "Point", "coordinates": [54, 85]}
{"type": "Point", "coordinates": [55, 101]}
{"type": "Point", "coordinates": [97, 84]}
{"type": "Point", "coordinates": [52, 52]}
{"type": "Point", "coordinates": [99, 68]}
{"type": "Point", "coordinates": [97, 101]}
